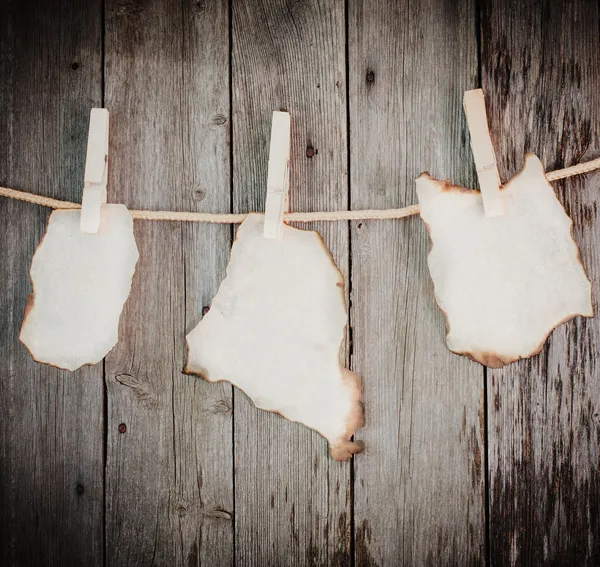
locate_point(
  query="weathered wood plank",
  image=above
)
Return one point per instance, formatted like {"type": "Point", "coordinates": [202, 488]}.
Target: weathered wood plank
{"type": "Point", "coordinates": [51, 434]}
{"type": "Point", "coordinates": [419, 487]}
{"type": "Point", "coordinates": [169, 490]}
{"type": "Point", "coordinates": [292, 500]}
{"type": "Point", "coordinates": [540, 74]}
{"type": "Point", "coordinates": [205, 439]}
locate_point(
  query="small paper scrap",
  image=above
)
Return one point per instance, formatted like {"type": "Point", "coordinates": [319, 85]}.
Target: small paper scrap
{"type": "Point", "coordinates": [80, 283]}
{"type": "Point", "coordinates": [275, 328]}
{"type": "Point", "coordinates": [503, 283]}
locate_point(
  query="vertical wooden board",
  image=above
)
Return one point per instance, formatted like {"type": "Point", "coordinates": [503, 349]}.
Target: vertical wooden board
{"type": "Point", "coordinates": [419, 486]}
{"type": "Point", "coordinates": [169, 487]}
{"type": "Point", "coordinates": [206, 187]}
{"type": "Point", "coordinates": [51, 429]}
{"type": "Point", "coordinates": [292, 500]}
{"type": "Point", "coordinates": [540, 74]}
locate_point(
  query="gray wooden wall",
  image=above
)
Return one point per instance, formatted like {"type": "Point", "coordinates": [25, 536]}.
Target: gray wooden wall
{"type": "Point", "coordinates": [131, 462]}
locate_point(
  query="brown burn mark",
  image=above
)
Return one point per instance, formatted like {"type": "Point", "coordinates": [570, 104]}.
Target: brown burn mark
{"type": "Point", "coordinates": [340, 451]}
{"type": "Point", "coordinates": [493, 360]}
{"type": "Point", "coordinates": [29, 306]}
{"type": "Point", "coordinates": [31, 299]}
{"type": "Point", "coordinates": [572, 235]}
{"type": "Point", "coordinates": [356, 418]}
{"type": "Point", "coordinates": [487, 358]}
{"type": "Point", "coordinates": [446, 185]}
{"type": "Point", "coordinates": [344, 448]}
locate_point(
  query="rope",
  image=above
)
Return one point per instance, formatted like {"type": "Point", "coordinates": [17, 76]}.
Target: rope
{"type": "Point", "coordinates": [574, 170]}
{"type": "Point", "coordinates": [225, 218]}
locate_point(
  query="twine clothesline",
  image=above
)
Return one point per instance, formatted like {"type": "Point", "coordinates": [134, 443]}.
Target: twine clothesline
{"type": "Point", "coordinates": [229, 218]}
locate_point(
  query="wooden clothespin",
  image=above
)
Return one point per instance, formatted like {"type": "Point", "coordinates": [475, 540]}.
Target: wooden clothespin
{"type": "Point", "coordinates": [483, 152]}
{"type": "Point", "coordinates": [96, 171]}
{"type": "Point", "coordinates": [278, 179]}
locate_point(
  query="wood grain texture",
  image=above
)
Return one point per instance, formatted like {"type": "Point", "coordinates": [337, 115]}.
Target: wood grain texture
{"type": "Point", "coordinates": [51, 433]}
{"type": "Point", "coordinates": [169, 497]}
{"type": "Point", "coordinates": [540, 74]}
{"type": "Point", "coordinates": [419, 487]}
{"type": "Point", "coordinates": [205, 430]}
{"type": "Point", "coordinates": [292, 499]}
{"type": "Point", "coordinates": [171, 443]}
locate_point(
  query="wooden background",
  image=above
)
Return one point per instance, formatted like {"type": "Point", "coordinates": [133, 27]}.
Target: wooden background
{"type": "Point", "coordinates": [131, 462]}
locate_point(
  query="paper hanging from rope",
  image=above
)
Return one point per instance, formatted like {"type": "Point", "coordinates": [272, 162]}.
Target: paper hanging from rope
{"type": "Point", "coordinates": [80, 284]}
{"type": "Point", "coordinates": [503, 283]}
{"type": "Point", "coordinates": [275, 329]}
